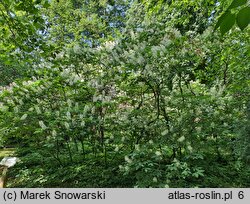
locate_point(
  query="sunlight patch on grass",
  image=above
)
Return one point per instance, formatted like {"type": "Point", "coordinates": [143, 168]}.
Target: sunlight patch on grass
{"type": "Point", "coordinates": [6, 152]}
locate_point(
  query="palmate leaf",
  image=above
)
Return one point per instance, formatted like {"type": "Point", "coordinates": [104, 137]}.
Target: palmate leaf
{"type": "Point", "coordinates": [223, 18]}
{"type": "Point", "coordinates": [227, 21]}
{"type": "Point", "coordinates": [237, 3]}
{"type": "Point", "coordinates": [243, 18]}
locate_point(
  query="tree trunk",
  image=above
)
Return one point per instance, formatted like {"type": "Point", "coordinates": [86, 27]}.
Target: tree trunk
{"type": "Point", "coordinates": [3, 178]}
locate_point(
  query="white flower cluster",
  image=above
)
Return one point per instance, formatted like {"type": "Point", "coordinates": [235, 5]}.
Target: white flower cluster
{"type": "Point", "coordinates": [181, 139]}
{"type": "Point", "coordinates": [71, 77]}
{"type": "Point", "coordinates": [127, 159]}
{"type": "Point", "coordinates": [68, 115]}
{"type": "Point", "coordinates": [3, 107]}
{"type": "Point", "coordinates": [82, 124]}
{"type": "Point", "coordinates": [95, 84]}
{"type": "Point", "coordinates": [108, 45]}
{"type": "Point", "coordinates": [24, 117]}
{"type": "Point", "coordinates": [42, 125]}
{"type": "Point", "coordinates": [38, 110]}
{"type": "Point", "coordinates": [158, 49]}
{"type": "Point", "coordinates": [54, 133]}
{"type": "Point", "coordinates": [67, 126]}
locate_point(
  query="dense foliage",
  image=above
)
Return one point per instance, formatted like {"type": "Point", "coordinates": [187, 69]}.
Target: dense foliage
{"type": "Point", "coordinates": [138, 93]}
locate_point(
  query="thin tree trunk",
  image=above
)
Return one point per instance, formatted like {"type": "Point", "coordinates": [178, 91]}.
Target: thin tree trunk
{"type": "Point", "coordinates": [70, 153]}
{"type": "Point", "coordinates": [83, 149]}
{"type": "Point", "coordinates": [3, 178]}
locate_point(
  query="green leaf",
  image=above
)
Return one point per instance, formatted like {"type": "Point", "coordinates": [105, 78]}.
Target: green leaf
{"type": "Point", "coordinates": [221, 18]}
{"type": "Point", "coordinates": [38, 1]}
{"type": "Point", "coordinates": [237, 3]}
{"type": "Point", "coordinates": [243, 18]}
{"type": "Point", "coordinates": [227, 22]}
{"type": "Point", "coordinates": [46, 4]}
{"type": "Point", "coordinates": [20, 7]}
